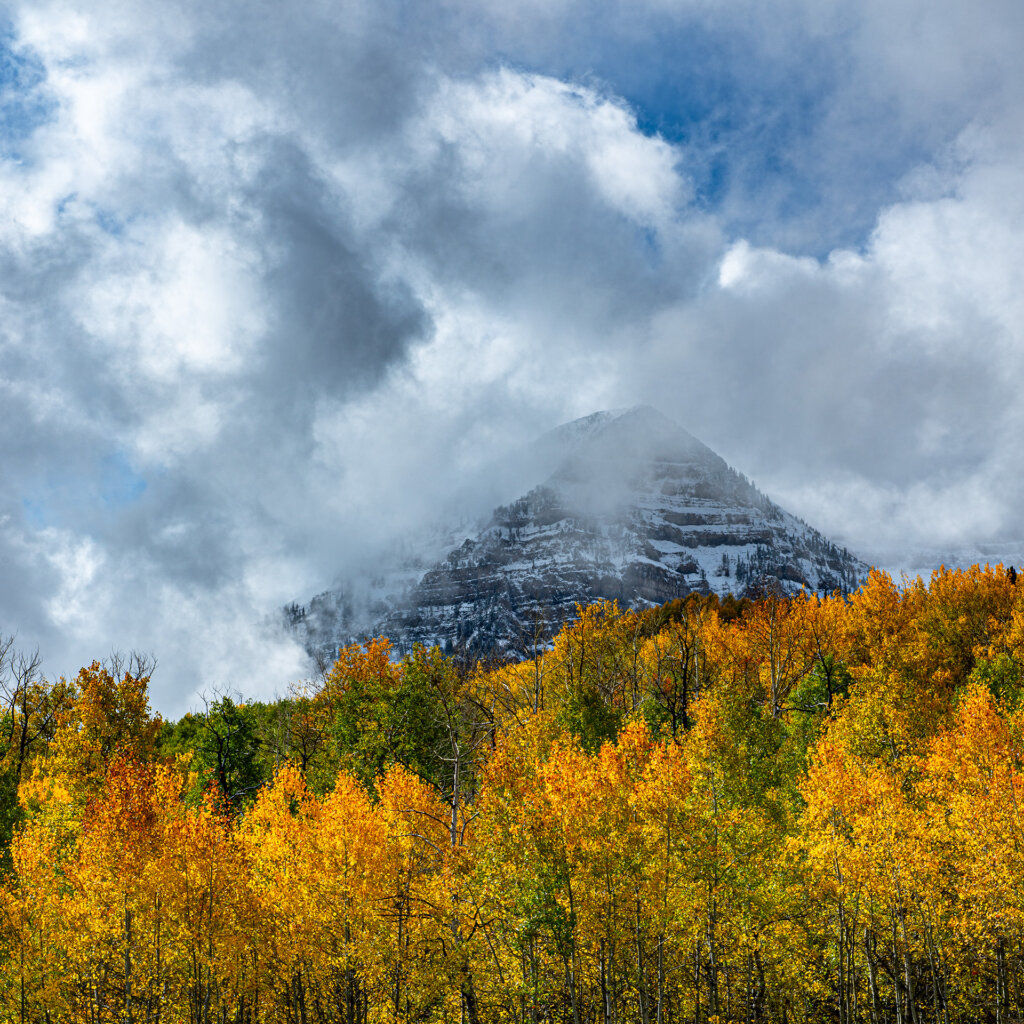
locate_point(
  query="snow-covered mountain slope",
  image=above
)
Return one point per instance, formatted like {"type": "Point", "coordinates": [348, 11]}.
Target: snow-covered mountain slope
{"type": "Point", "coordinates": [636, 510]}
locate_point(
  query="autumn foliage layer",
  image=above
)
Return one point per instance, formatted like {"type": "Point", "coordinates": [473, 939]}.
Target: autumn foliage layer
{"type": "Point", "coordinates": [789, 809]}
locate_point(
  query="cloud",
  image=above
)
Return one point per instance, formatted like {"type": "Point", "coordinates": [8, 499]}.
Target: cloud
{"type": "Point", "coordinates": [275, 290]}
{"type": "Point", "coordinates": [887, 377]}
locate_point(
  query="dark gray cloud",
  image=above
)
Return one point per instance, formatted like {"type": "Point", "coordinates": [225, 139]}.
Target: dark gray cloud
{"type": "Point", "coordinates": [276, 288]}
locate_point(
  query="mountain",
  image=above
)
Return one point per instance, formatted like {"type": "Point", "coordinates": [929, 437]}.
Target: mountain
{"type": "Point", "coordinates": [633, 509]}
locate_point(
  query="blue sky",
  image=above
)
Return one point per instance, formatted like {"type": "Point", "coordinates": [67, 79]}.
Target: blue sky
{"type": "Point", "coordinates": [23, 103]}
{"type": "Point", "coordinates": [274, 288]}
{"type": "Point", "coordinates": [747, 120]}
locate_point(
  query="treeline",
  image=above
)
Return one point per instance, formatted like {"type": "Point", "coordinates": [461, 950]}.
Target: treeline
{"type": "Point", "coordinates": [788, 809]}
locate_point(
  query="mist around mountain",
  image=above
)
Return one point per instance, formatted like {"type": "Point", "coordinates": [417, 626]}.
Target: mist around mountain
{"type": "Point", "coordinates": [629, 507]}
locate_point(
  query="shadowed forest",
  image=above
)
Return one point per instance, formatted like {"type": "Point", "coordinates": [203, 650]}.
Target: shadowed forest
{"type": "Point", "coordinates": [785, 809]}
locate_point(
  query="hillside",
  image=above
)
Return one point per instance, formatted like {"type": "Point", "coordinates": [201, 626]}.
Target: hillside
{"type": "Point", "coordinates": [634, 509]}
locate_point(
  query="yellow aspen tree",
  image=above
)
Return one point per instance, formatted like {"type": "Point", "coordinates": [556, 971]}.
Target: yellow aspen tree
{"type": "Point", "coordinates": [974, 780]}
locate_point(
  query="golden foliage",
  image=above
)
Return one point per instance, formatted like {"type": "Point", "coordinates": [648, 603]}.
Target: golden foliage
{"type": "Point", "coordinates": [808, 809]}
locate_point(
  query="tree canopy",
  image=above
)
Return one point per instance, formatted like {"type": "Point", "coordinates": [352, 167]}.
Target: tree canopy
{"type": "Point", "coordinates": [785, 809]}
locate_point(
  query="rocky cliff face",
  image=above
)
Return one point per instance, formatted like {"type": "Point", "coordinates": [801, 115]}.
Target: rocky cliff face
{"type": "Point", "coordinates": [636, 510]}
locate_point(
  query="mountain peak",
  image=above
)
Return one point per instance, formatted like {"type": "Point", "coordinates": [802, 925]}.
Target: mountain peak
{"type": "Point", "coordinates": [630, 507]}
{"type": "Point", "coordinates": [644, 434]}
{"type": "Point", "coordinates": [615, 438]}
{"type": "Point", "coordinates": [609, 419]}
{"type": "Point", "coordinates": [642, 413]}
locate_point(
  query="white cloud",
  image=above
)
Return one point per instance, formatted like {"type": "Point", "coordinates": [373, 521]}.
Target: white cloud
{"type": "Point", "coordinates": [302, 277]}
{"type": "Point", "coordinates": [177, 299]}
{"type": "Point", "coordinates": [507, 123]}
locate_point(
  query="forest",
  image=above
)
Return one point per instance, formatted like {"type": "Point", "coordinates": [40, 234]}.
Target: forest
{"type": "Point", "coordinates": [787, 809]}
